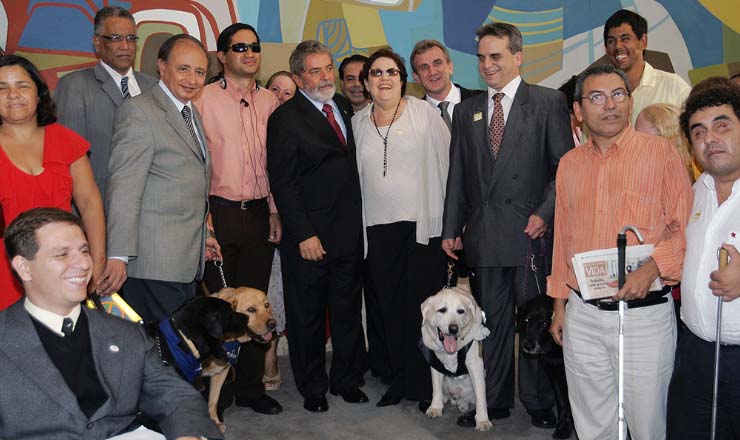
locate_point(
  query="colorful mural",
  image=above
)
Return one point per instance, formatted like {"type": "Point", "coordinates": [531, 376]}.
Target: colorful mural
{"type": "Point", "coordinates": [561, 37]}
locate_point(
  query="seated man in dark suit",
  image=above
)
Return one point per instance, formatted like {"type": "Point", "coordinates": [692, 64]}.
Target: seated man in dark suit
{"type": "Point", "coordinates": [72, 373]}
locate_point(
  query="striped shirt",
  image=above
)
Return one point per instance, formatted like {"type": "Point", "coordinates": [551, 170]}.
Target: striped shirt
{"type": "Point", "coordinates": [640, 181]}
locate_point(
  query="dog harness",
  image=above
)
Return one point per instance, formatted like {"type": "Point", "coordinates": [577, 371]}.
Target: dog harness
{"type": "Point", "coordinates": [231, 348]}
{"type": "Point", "coordinates": [185, 361]}
{"type": "Point", "coordinates": [435, 363]}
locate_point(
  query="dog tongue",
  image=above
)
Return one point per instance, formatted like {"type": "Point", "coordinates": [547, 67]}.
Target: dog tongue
{"type": "Point", "coordinates": [267, 337]}
{"type": "Point", "coordinates": [450, 343]}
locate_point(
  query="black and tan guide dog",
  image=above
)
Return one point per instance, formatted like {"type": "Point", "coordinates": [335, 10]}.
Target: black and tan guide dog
{"type": "Point", "coordinates": [193, 341]}
{"type": "Point", "coordinates": [534, 329]}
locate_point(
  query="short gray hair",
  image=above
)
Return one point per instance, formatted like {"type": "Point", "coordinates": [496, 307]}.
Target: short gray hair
{"type": "Point", "coordinates": [501, 30]}
{"type": "Point", "coordinates": [107, 12]}
{"type": "Point", "coordinates": [423, 46]}
{"type": "Point", "coordinates": [302, 51]}
{"type": "Point", "coordinates": [604, 69]}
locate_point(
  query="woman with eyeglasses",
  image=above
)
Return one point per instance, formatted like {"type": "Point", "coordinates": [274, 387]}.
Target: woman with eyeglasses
{"type": "Point", "coordinates": [42, 164]}
{"type": "Point", "coordinates": [402, 159]}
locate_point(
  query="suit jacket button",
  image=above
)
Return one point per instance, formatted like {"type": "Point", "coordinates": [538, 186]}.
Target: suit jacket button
{"type": "Point", "coordinates": [515, 176]}
{"type": "Point", "coordinates": [507, 201]}
{"type": "Point", "coordinates": [90, 426]}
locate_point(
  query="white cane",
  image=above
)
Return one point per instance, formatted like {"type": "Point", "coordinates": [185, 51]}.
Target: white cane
{"type": "Point", "coordinates": [723, 256]}
{"type": "Point", "coordinates": [621, 257]}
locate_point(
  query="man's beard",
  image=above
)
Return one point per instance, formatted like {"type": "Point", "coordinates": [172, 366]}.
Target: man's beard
{"type": "Point", "coordinates": [319, 95]}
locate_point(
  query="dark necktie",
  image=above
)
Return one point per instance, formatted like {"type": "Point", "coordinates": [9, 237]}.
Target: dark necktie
{"type": "Point", "coordinates": [124, 87]}
{"type": "Point", "coordinates": [443, 105]}
{"type": "Point", "coordinates": [333, 122]}
{"type": "Point", "coordinates": [67, 327]}
{"type": "Point", "coordinates": [187, 115]}
{"type": "Point", "coordinates": [496, 127]}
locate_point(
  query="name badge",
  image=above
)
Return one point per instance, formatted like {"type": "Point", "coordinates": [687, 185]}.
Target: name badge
{"type": "Point", "coordinates": [477, 116]}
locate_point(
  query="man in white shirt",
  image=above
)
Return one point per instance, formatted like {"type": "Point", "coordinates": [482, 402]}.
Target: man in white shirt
{"type": "Point", "coordinates": [88, 99]}
{"type": "Point", "coordinates": [625, 40]}
{"type": "Point", "coordinates": [72, 373]}
{"type": "Point", "coordinates": [432, 68]}
{"type": "Point", "coordinates": [711, 121]}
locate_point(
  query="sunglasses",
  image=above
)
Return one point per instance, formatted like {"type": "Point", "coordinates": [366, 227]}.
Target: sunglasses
{"type": "Point", "coordinates": [243, 47]}
{"type": "Point", "coordinates": [378, 72]}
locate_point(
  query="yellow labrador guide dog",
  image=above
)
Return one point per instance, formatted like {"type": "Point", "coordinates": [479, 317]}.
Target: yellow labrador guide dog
{"type": "Point", "coordinates": [452, 330]}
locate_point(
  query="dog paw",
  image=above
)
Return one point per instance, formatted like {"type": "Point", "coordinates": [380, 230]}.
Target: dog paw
{"type": "Point", "coordinates": [463, 406]}
{"type": "Point", "coordinates": [483, 425]}
{"type": "Point", "coordinates": [434, 412]}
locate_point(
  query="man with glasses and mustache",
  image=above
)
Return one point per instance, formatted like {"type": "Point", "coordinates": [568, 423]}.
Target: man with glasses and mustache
{"type": "Point", "coordinates": [87, 101]}
{"type": "Point", "coordinates": [619, 177]}
{"type": "Point", "coordinates": [313, 177]}
{"type": "Point", "coordinates": [234, 111]}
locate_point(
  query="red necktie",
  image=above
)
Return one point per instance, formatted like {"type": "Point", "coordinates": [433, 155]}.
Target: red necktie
{"type": "Point", "coordinates": [496, 127]}
{"type": "Point", "coordinates": [333, 122]}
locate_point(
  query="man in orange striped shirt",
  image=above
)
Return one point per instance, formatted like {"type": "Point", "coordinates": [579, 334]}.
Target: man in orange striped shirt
{"type": "Point", "coordinates": [620, 177]}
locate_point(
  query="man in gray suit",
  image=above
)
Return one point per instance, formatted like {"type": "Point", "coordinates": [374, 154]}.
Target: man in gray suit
{"type": "Point", "coordinates": [87, 100]}
{"type": "Point", "coordinates": [73, 373]}
{"type": "Point", "coordinates": [505, 149]}
{"type": "Point", "coordinates": [157, 191]}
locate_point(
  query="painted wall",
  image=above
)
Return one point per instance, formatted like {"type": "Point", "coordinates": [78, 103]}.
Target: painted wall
{"type": "Point", "coordinates": [561, 37]}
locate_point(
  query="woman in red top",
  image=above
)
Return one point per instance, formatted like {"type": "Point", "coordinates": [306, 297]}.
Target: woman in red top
{"type": "Point", "coordinates": [42, 163]}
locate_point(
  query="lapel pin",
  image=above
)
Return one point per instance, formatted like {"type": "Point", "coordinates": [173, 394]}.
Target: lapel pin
{"type": "Point", "coordinates": [477, 116]}
{"type": "Point", "coordinates": [114, 349]}
{"type": "Point", "coordinates": [732, 234]}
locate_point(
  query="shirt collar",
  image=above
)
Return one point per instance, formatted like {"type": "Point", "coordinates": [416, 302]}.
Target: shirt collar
{"type": "Point", "coordinates": [51, 319]}
{"type": "Point", "coordinates": [176, 101]}
{"type": "Point", "coordinates": [648, 78]}
{"type": "Point", "coordinates": [453, 97]}
{"type": "Point", "coordinates": [320, 105]}
{"type": "Point", "coordinates": [509, 90]}
{"type": "Point", "coordinates": [115, 75]}
{"type": "Point", "coordinates": [708, 181]}
{"type": "Point", "coordinates": [617, 145]}
{"type": "Point", "coordinates": [235, 90]}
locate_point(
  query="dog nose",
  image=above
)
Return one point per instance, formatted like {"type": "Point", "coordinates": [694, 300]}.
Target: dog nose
{"type": "Point", "coordinates": [271, 324]}
{"type": "Point", "coordinates": [453, 329]}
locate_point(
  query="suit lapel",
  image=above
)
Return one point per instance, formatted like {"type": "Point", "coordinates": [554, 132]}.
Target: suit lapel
{"type": "Point", "coordinates": [515, 124]}
{"type": "Point", "coordinates": [317, 121]}
{"type": "Point", "coordinates": [175, 119]}
{"type": "Point", "coordinates": [479, 118]}
{"type": "Point", "coordinates": [107, 357]}
{"type": "Point", "coordinates": [109, 86]}
{"type": "Point", "coordinates": [25, 349]}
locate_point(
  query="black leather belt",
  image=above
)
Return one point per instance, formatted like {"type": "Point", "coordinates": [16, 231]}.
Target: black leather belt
{"type": "Point", "coordinates": [651, 299]}
{"type": "Point", "coordinates": [243, 205]}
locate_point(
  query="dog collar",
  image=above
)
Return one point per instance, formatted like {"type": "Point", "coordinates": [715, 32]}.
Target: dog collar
{"type": "Point", "coordinates": [185, 361]}
{"type": "Point", "coordinates": [435, 363]}
{"type": "Point", "coordinates": [231, 348]}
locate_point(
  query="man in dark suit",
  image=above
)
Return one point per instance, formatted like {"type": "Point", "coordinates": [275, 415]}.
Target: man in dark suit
{"type": "Point", "coordinates": [504, 153]}
{"type": "Point", "coordinates": [313, 176]}
{"type": "Point", "coordinates": [87, 100]}
{"type": "Point", "coordinates": [73, 373]}
{"type": "Point", "coordinates": [160, 171]}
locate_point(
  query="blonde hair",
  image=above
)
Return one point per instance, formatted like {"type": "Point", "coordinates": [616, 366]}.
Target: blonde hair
{"type": "Point", "coordinates": [665, 118]}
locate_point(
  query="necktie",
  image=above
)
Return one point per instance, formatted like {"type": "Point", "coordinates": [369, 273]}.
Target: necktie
{"type": "Point", "coordinates": [443, 105]}
{"type": "Point", "coordinates": [333, 122]}
{"type": "Point", "coordinates": [124, 87]}
{"type": "Point", "coordinates": [67, 327]}
{"type": "Point", "coordinates": [496, 127]}
{"type": "Point", "coordinates": [187, 115]}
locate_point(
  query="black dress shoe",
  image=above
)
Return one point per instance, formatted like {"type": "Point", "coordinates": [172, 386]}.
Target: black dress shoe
{"type": "Point", "coordinates": [543, 418]}
{"type": "Point", "coordinates": [424, 405]}
{"type": "Point", "coordinates": [316, 404]}
{"type": "Point", "coordinates": [263, 405]}
{"type": "Point", "coordinates": [467, 420]}
{"type": "Point", "coordinates": [352, 395]}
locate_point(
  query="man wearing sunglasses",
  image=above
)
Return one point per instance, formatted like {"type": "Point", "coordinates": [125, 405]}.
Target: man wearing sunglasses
{"type": "Point", "coordinates": [619, 177]}
{"type": "Point", "coordinates": [243, 214]}
{"type": "Point", "coordinates": [87, 101]}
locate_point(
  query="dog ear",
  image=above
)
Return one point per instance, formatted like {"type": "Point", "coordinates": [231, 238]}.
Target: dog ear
{"type": "Point", "coordinates": [426, 309]}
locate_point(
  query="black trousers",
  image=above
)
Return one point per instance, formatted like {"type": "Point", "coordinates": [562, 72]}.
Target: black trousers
{"type": "Point", "coordinates": [155, 300]}
{"type": "Point", "coordinates": [689, 412]}
{"type": "Point", "coordinates": [495, 289]}
{"type": "Point", "coordinates": [310, 287]}
{"type": "Point", "coordinates": [377, 352]}
{"type": "Point", "coordinates": [248, 255]}
{"type": "Point", "coordinates": [403, 273]}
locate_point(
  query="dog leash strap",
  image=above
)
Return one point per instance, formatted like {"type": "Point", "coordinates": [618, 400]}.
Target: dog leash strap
{"type": "Point", "coordinates": [220, 266]}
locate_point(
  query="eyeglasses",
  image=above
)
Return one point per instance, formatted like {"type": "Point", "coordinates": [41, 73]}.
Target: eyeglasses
{"type": "Point", "coordinates": [378, 72]}
{"type": "Point", "coordinates": [599, 98]}
{"type": "Point", "coordinates": [115, 38]}
{"type": "Point", "coordinates": [243, 47]}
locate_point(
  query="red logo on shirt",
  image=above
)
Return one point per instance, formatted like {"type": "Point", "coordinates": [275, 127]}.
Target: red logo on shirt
{"type": "Point", "coordinates": [732, 234]}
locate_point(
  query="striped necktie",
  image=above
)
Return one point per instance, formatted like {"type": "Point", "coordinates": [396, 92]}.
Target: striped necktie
{"type": "Point", "coordinates": [187, 115]}
{"type": "Point", "coordinates": [124, 88]}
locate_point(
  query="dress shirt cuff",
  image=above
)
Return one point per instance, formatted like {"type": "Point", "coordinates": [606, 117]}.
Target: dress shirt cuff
{"type": "Point", "coordinates": [124, 259]}
{"type": "Point", "coordinates": [669, 269]}
{"type": "Point", "coordinates": [557, 288]}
